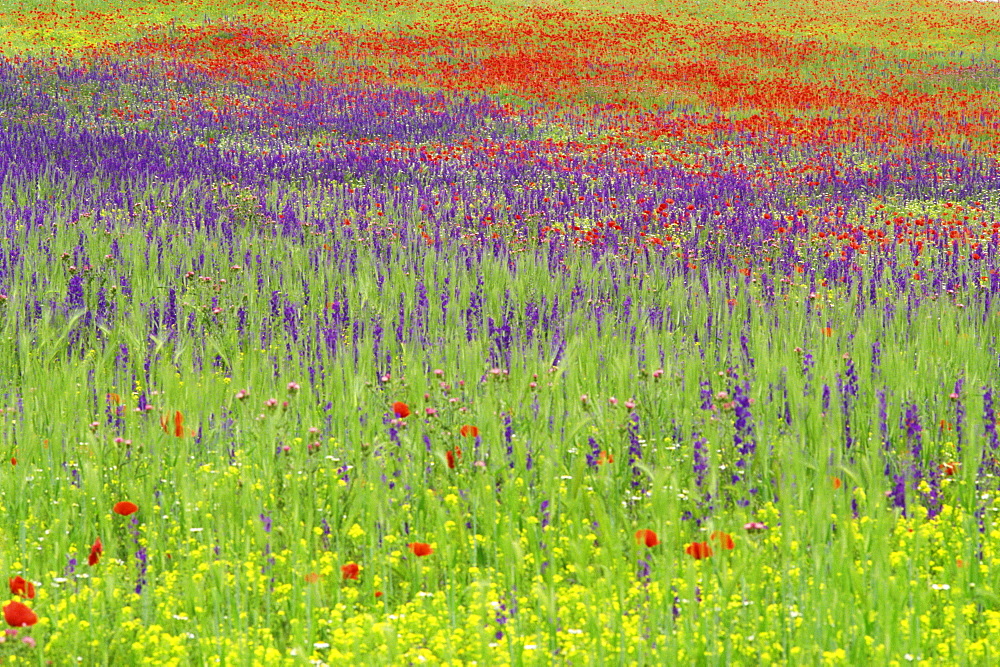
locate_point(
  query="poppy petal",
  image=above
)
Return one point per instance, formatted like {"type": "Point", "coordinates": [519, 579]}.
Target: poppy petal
{"type": "Point", "coordinates": [724, 540]}
{"type": "Point", "coordinates": [698, 550]}
{"type": "Point", "coordinates": [420, 548]}
{"type": "Point", "coordinates": [647, 537]}
{"type": "Point", "coordinates": [95, 552]}
{"type": "Point", "coordinates": [125, 508]}
{"type": "Point", "coordinates": [18, 615]}
{"type": "Point", "coordinates": [18, 586]}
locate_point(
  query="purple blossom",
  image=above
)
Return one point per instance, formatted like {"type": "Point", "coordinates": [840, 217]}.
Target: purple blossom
{"type": "Point", "coordinates": [634, 450]}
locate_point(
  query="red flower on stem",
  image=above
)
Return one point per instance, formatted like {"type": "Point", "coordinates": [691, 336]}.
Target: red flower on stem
{"type": "Point", "coordinates": [401, 410]}
{"type": "Point", "coordinates": [724, 540]}
{"type": "Point", "coordinates": [95, 553]}
{"type": "Point", "coordinates": [19, 615]}
{"type": "Point", "coordinates": [125, 508]}
{"type": "Point", "coordinates": [420, 549]}
{"type": "Point", "coordinates": [350, 571]}
{"type": "Point", "coordinates": [18, 586]}
{"type": "Point", "coordinates": [647, 537]}
{"type": "Point", "coordinates": [178, 426]}
{"type": "Point", "coordinates": [469, 431]}
{"type": "Point", "coordinates": [453, 455]}
{"type": "Point", "coordinates": [698, 550]}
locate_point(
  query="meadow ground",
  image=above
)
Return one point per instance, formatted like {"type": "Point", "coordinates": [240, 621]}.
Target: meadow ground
{"type": "Point", "coordinates": [499, 333]}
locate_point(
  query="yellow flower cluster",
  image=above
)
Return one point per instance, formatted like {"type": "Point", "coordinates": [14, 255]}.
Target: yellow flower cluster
{"type": "Point", "coordinates": [542, 585]}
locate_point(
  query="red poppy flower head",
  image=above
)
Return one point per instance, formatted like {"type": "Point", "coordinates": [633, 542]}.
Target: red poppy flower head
{"type": "Point", "coordinates": [724, 540]}
{"type": "Point", "coordinates": [647, 537]}
{"type": "Point", "coordinates": [837, 482]}
{"type": "Point", "coordinates": [19, 615]}
{"type": "Point", "coordinates": [350, 571]}
{"type": "Point", "coordinates": [452, 456]}
{"type": "Point", "coordinates": [469, 431]}
{"type": "Point", "coordinates": [312, 578]}
{"type": "Point", "coordinates": [95, 552]}
{"type": "Point", "coordinates": [420, 549]}
{"type": "Point", "coordinates": [605, 457]}
{"type": "Point", "coordinates": [378, 594]}
{"type": "Point", "coordinates": [948, 469]}
{"type": "Point", "coordinates": [698, 550]}
{"type": "Point", "coordinates": [18, 586]}
{"type": "Point", "coordinates": [125, 508]}
{"type": "Point", "coordinates": [177, 428]}
{"type": "Point", "coordinates": [401, 410]}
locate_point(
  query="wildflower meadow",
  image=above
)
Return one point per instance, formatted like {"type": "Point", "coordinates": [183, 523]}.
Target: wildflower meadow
{"type": "Point", "coordinates": [500, 332]}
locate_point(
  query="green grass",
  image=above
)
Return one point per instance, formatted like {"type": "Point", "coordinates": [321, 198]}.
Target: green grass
{"type": "Point", "coordinates": [848, 578]}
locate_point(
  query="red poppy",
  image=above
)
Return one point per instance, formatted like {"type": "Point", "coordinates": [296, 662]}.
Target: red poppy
{"type": "Point", "coordinates": [114, 398]}
{"type": "Point", "coordinates": [469, 431]}
{"type": "Point", "coordinates": [420, 549]}
{"type": "Point", "coordinates": [95, 552]}
{"type": "Point", "coordinates": [948, 469]}
{"type": "Point", "coordinates": [19, 615]}
{"type": "Point", "coordinates": [827, 331]}
{"type": "Point", "coordinates": [125, 508]}
{"type": "Point", "coordinates": [453, 455]}
{"type": "Point", "coordinates": [401, 410]}
{"type": "Point", "coordinates": [18, 586]}
{"type": "Point", "coordinates": [837, 482]}
{"type": "Point", "coordinates": [13, 461]}
{"type": "Point", "coordinates": [178, 429]}
{"type": "Point", "coordinates": [698, 550]}
{"type": "Point", "coordinates": [647, 537]}
{"type": "Point", "coordinates": [378, 594]}
{"type": "Point", "coordinates": [350, 571]}
{"type": "Point", "coordinates": [724, 540]}
{"type": "Point", "coordinates": [605, 457]}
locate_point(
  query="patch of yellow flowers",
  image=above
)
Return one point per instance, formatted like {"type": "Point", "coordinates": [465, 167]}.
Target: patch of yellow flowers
{"type": "Point", "coordinates": [888, 590]}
